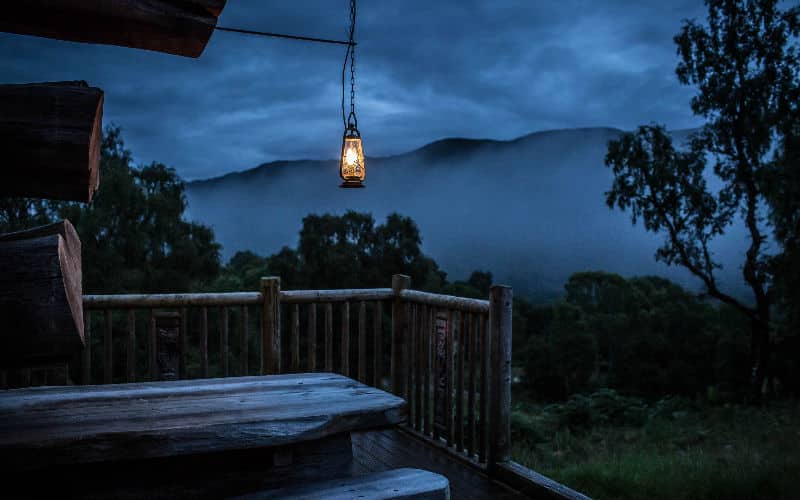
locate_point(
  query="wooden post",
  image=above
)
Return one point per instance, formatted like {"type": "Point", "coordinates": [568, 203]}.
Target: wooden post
{"type": "Point", "coordinates": [459, 424]}
{"type": "Point", "coordinates": [312, 337]}
{"type": "Point", "coordinates": [243, 339]}
{"type": "Point", "coordinates": [500, 317]}
{"type": "Point", "coordinates": [152, 348]}
{"type": "Point", "coordinates": [362, 342]}
{"type": "Point", "coordinates": [483, 426]}
{"type": "Point", "coordinates": [182, 343]}
{"type": "Point", "coordinates": [223, 341]}
{"type": "Point", "coordinates": [271, 326]}
{"type": "Point", "coordinates": [346, 339]}
{"type": "Point", "coordinates": [108, 348]}
{"type": "Point", "coordinates": [131, 348]}
{"type": "Point", "coordinates": [204, 343]}
{"type": "Point", "coordinates": [295, 346]}
{"type": "Point", "coordinates": [328, 337]}
{"type": "Point", "coordinates": [377, 347]}
{"type": "Point", "coordinates": [87, 349]}
{"type": "Point", "coordinates": [400, 282]}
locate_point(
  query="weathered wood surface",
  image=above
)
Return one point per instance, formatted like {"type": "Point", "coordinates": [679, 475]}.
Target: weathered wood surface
{"type": "Point", "coordinates": [40, 294]}
{"type": "Point", "coordinates": [318, 296]}
{"type": "Point", "coordinates": [203, 476]}
{"type": "Point", "coordinates": [50, 135]}
{"type": "Point", "coordinates": [180, 27]}
{"type": "Point", "coordinates": [500, 324]}
{"type": "Point", "coordinates": [533, 484]}
{"type": "Point", "coordinates": [445, 301]}
{"type": "Point", "coordinates": [400, 282]}
{"type": "Point", "coordinates": [398, 483]}
{"type": "Point", "coordinates": [171, 300]}
{"type": "Point", "coordinates": [54, 425]}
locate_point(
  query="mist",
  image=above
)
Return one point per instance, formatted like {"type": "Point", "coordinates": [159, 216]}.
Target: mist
{"type": "Point", "coordinates": [531, 210]}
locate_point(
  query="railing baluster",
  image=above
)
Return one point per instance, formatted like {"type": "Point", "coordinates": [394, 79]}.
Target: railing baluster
{"type": "Point", "coordinates": [449, 360]}
{"type": "Point", "coordinates": [362, 342]}
{"type": "Point", "coordinates": [483, 428]}
{"type": "Point", "coordinates": [130, 362]}
{"type": "Point", "coordinates": [312, 337]}
{"type": "Point", "coordinates": [426, 379]}
{"type": "Point", "coordinates": [87, 349]}
{"type": "Point", "coordinates": [377, 346]}
{"type": "Point", "coordinates": [223, 341]}
{"type": "Point", "coordinates": [419, 364]}
{"type": "Point", "coordinates": [473, 354]}
{"type": "Point", "coordinates": [460, 382]}
{"type": "Point", "coordinates": [152, 347]}
{"type": "Point", "coordinates": [244, 346]}
{"type": "Point", "coordinates": [183, 343]}
{"type": "Point", "coordinates": [204, 343]}
{"type": "Point", "coordinates": [408, 360]}
{"type": "Point", "coordinates": [328, 337]}
{"type": "Point", "coordinates": [345, 339]}
{"type": "Point", "coordinates": [410, 363]}
{"type": "Point", "coordinates": [295, 338]}
{"type": "Point", "coordinates": [108, 349]}
{"type": "Point", "coordinates": [399, 341]}
{"type": "Point", "coordinates": [271, 326]}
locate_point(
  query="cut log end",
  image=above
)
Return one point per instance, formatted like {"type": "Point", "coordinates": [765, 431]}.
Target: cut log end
{"type": "Point", "coordinates": [51, 134]}
{"type": "Point", "coordinates": [41, 299]}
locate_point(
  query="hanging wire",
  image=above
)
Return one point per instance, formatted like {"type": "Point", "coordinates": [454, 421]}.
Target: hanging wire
{"type": "Point", "coordinates": [350, 121]}
{"type": "Point", "coordinates": [280, 35]}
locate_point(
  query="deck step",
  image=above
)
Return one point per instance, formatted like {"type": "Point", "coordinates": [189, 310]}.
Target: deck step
{"type": "Point", "coordinates": [398, 484]}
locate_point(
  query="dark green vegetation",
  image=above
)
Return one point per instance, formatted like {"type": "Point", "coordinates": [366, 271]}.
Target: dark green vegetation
{"type": "Point", "coordinates": [615, 447]}
{"type": "Point", "coordinates": [745, 64]}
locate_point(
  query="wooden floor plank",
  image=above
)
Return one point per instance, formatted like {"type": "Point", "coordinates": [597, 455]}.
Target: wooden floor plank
{"type": "Point", "coordinates": [388, 449]}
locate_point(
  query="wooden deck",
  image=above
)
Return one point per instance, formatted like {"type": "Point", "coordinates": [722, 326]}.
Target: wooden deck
{"type": "Point", "coordinates": [395, 448]}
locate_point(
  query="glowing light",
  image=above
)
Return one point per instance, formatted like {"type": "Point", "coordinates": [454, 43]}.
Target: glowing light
{"type": "Point", "coordinates": [352, 169]}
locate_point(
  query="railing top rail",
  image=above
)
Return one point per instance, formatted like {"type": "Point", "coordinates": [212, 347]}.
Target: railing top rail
{"type": "Point", "coordinates": [130, 301]}
{"type": "Point", "coordinates": [309, 296]}
{"type": "Point", "coordinates": [446, 301]}
{"type": "Point", "coordinates": [157, 300]}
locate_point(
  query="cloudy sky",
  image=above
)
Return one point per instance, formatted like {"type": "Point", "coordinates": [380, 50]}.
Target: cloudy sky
{"type": "Point", "coordinates": [426, 70]}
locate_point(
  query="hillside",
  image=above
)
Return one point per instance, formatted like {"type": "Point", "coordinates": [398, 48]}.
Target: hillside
{"type": "Point", "coordinates": [531, 210]}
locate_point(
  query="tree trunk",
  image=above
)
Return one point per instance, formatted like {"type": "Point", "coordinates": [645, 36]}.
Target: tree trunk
{"type": "Point", "coordinates": [760, 358]}
{"type": "Point", "coordinates": [50, 136]}
{"type": "Point", "coordinates": [41, 301]}
{"type": "Point", "coordinates": [180, 27]}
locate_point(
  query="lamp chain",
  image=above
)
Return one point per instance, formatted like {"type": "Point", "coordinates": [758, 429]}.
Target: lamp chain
{"type": "Point", "coordinates": [350, 121]}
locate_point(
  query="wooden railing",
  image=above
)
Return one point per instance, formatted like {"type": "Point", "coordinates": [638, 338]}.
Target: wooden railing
{"type": "Point", "coordinates": [449, 357]}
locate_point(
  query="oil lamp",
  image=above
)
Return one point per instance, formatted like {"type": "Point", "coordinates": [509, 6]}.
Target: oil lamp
{"type": "Point", "coordinates": [352, 168]}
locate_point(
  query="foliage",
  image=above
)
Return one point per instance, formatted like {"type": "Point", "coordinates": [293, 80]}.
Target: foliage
{"type": "Point", "coordinates": [644, 336]}
{"type": "Point", "coordinates": [744, 64]}
{"type": "Point", "coordinates": [347, 251]}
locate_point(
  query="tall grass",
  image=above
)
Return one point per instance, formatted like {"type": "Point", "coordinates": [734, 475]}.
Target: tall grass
{"type": "Point", "coordinates": [684, 452]}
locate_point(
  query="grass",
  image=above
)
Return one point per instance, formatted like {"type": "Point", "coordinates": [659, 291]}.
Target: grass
{"type": "Point", "coordinates": [730, 452]}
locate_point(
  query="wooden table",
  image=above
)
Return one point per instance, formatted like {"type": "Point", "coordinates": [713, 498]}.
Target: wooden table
{"type": "Point", "coordinates": [173, 423]}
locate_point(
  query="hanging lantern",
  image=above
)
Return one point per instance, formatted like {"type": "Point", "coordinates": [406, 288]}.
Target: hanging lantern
{"type": "Point", "coordinates": [352, 169]}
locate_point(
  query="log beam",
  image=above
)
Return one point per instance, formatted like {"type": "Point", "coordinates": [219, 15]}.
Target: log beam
{"type": "Point", "coordinates": [180, 27]}
{"type": "Point", "coordinates": [41, 309]}
{"type": "Point", "coordinates": [50, 136]}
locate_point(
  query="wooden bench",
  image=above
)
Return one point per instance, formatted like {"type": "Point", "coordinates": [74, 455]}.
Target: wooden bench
{"type": "Point", "coordinates": [78, 424]}
{"type": "Point", "coordinates": [399, 483]}
{"type": "Point", "coordinates": [211, 437]}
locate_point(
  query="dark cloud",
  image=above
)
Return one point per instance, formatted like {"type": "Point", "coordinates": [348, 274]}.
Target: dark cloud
{"type": "Point", "coordinates": [426, 70]}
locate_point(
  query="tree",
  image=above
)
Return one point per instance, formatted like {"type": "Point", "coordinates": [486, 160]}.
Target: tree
{"type": "Point", "coordinates": [744, 64]}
